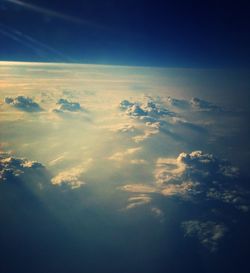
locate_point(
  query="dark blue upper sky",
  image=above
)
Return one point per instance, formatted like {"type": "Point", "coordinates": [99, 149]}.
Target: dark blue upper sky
{"type": "Point", "coordinates": [139, 32]}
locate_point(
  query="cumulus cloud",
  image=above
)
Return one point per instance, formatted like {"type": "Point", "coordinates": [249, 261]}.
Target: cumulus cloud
{"type": "Point", "coordinates": [154, 114]}
{"type": "Point", "coordinates": [148, 111]}
{"type": "Point", "coordinates": [204, 105]}
{"type": "Point", "coordinates": [23, 103]}
{"type": "Point", "coordinates": [198, 177]}
{"type": "Point", "coordinates": [180, 103]}
{"type": "Point", "coordinates": [13, 169]}
{"type": "Point", "coordinates": [73, 177]}
{"type": "Point", "coordinates": [197, 166]}
{"type": "Point", "coordinates": [195, 103]}
{"type": "Point", "coordinates": [208, 233]}
{"type": "Point", "coordinates": [148, 108]}
{"type": "Point", "coordinates": [64, 105]}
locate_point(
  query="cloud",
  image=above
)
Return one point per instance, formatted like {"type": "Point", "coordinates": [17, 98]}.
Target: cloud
{"type": "Point", "coordinates": [158, 213]}
{"type": "Point", "coordinates": [149, 112]}
{"type": "Point", "coordinates": [72, 177]}
{"type": "Point", "coordinates": [57, 160]}
{"type": "Point", "coordinates": [138, 161]}
{"type": "Point", "coordinates": [202, 180]}
{"type": "Point", "coordinates": [122, 128]}
{"type": "Point", "coordinates": [63, 105]}
{"type": "Point", "coordinates": [138, 200]}
{"type": "Point", "coordinates": [198, 177]}
{"type": "Point", "coordinates": [186, 124]}
{"type": "Point", "coordinates": [153, 113]}
{"type": "Point", "coordinates": [195, 103]}
{"type": "Point", "coordinates": [138, 188]}
{"type": "Point", "coordinates": [199, 164]}
{"type": "Point", "coordinates": [121, 156]}
{"type": "Point", "coordinates": [153, 128]}
{"type": "Point", "coordinates": [178, 103]}
{"type": "Point", "coordinates": [12, 169]}
{"type": "Point", "coordinates": [149, 108]}
{"type": "Point", "coordinates": [203, 105]}
{"type": "Point", "coordinates": [23, 103]}
{"type": "Point", "coordinates": [180, 190]}
{"type": "Point", "coordinates": [208, 233]}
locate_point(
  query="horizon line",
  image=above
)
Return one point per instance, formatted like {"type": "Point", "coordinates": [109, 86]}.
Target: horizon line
{"type": "Point", "coordinates": [38, 63]}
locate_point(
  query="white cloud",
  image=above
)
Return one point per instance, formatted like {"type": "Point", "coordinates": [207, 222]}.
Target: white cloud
{"type": "Point", "coordinates": [147, 108]}
{"type": "Point", "coordinates": [63, 105]}
{"type": "Point", "coordinates": [181, 190]}
{"type": "Point", "coordinates": [196, 177]}
{"type": "Point", "coordinates": [72, 177]}
{"type": "Point", "coordinates": [12, 167]}
{"type": "Point", "coordinates": [157, 118]}
{"type": "Point", "coordinates": [23, 103]}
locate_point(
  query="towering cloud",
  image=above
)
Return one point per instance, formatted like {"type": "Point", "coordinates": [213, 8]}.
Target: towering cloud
{"type": "Point", "coordinates": [199, 179]}
{"type": "Point", "coordinates": [148, 108]}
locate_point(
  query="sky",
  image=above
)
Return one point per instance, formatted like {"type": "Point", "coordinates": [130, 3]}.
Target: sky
{"type": "Point", "coordinates": [123, 169]}
{"type": "Point", "coordinates": [124, 136]}
{"type": "Point", "coordinates": [197, 34]}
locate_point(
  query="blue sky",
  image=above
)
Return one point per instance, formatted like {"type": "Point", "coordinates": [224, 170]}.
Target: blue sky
{"type": "Point", "coordinates": [151, 33]}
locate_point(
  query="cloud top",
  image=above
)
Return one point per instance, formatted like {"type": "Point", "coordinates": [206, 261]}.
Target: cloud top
{"type": "Point", "coordinates": [149, 108]}
{"type": "Point", "coordinates": [12, 167]}
{"type": "Point", "coordinates": [203, 105]}
{"type": "Point", "coordinates": [23, 103]}
{"type": "Point", "coordinates": [64, 105]}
